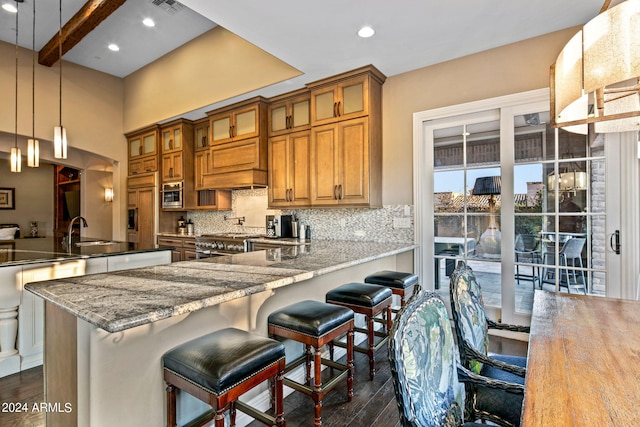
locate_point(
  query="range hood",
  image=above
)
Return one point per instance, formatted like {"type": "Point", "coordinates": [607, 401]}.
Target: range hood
{"type": "Point", "coordinates": [243, 179]}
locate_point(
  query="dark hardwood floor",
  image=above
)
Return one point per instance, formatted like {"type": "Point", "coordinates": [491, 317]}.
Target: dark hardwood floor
{"type": "Point", "coordinates": [19, 392]}
{"type": "Point", "coordinates": [373, 402]}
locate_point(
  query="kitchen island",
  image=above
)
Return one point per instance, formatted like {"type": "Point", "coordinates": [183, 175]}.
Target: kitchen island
{"type": "Point", "coordinates": [106, 333]}
{"type": "Point", "coordinates": [37, 259]}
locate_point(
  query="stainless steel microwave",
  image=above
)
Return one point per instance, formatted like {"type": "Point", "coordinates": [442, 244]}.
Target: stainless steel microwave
{"type": "Point", "coordinates": [172, 195]}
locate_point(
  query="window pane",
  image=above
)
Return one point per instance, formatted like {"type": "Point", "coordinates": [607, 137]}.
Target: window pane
{"type": "Point", "coordinates": [447, 150]}
{"type": "Point", "coordinates": [483, 143]}
{"type": "Point", "coordinates": [531, 131]}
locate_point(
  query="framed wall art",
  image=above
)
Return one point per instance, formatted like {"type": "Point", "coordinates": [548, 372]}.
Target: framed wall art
{"type": "Point", "coordinates": [7, 198]}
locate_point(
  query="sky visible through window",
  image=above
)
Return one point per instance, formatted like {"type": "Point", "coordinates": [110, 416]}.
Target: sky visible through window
{"type": "Point", "coordinates": [453, 181]}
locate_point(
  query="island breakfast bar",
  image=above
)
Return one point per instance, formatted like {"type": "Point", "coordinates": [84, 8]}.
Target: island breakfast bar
{"type": "Point", "coordinates": [583, 362]}
{"type": "Point", "coordinates": [105, 334]}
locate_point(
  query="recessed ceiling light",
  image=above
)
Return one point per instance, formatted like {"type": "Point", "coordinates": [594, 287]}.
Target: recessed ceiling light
{"type": "Point", "coordinates": [9, 8]}
{"type": "Point", "coordinates": [148, 22]}
{"type": "Point", "coordinates": [366, 32]}
{"type": "Point", "coordinates": [114, 47]}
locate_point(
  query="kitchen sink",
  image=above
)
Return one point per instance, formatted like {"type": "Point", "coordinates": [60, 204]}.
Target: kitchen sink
{"type": "Point", "coordinates": [95, 243]}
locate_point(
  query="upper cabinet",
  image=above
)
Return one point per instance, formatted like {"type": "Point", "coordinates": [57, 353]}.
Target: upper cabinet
{"type": "Point", "coordinates": [238, 153]}
{"type": "Point", "coordinates": [346, 139]}
{"type": "Point", "coordinates": [346, 96]}
{"type": "Point", "coordinates": [177, 151]}
{"type": "Point", "coordinates": [143, 150]}
{"type": "Point", "coordinates": [289, 112]}
{"type": "Point", "coordinates": [239, 122]}
{"type": "Point", "coordinates": [201, 133]}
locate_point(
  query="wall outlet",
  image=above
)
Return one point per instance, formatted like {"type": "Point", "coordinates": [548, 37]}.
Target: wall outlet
{"type": "Point", "coordinates": [401, 222]}
{"type": "Point", "coordinates": [407, 210]}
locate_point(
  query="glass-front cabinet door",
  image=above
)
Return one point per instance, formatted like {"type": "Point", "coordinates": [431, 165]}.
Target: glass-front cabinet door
{"type": "Point", "coordinates": [171, 139]}
{"type": "Point", "coordinates": [344, 100]}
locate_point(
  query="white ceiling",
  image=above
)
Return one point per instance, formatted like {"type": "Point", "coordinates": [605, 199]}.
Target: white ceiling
{"type": "Point", "coordinates": [318, 38]}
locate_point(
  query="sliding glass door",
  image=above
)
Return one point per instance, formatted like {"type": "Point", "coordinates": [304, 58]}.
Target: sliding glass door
{"type": "Point", "coordinates": [522, 203]}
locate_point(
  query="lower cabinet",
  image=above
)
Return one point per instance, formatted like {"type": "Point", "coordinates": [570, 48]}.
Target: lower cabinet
{"type": "Point", "coordinates": [182, 248]}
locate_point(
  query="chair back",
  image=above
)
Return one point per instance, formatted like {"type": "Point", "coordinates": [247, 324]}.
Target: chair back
{"type": "Point", "coordinates": [469, 317]}
{"type": "Point", "coordinates": [424, 359]}
{"type": "Point", "coordinates": [527, 243]}
{"type": "Point", "coordinates": [573, 247]}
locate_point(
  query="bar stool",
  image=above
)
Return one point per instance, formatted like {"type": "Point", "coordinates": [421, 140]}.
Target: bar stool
{"type": "Point", "coordinates": [401, 284]}
{"type": "Point", "coordinates": [219, 367]}
{"type": "Point", "coordinates": [371, 301]}
{"type": "Point", "coordinates": [315, 324]}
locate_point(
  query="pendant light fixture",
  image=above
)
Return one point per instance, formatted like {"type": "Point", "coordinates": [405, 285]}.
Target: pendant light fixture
{"type": "Point", "coordinates": [16, 156]}
{"type": "Point", "coordinates": [595, 77]}
{"type": "Point", "coordinates": [59, 132]}
{"type": "Point", "coordinates": [33, 146]}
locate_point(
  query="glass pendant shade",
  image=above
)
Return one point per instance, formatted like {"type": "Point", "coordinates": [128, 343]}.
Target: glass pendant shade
{"type": "Point", "coordinates": [59, 142]}
{"type": "Point", "coordinates": [33, 153]}
{"type": "Point", "coordinates": [595, 77]}
{"type": "Point", "coordinates": [16, 160]}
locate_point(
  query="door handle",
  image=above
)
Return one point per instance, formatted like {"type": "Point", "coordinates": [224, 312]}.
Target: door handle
{"type": "Point", "coordinates": [614, 242]}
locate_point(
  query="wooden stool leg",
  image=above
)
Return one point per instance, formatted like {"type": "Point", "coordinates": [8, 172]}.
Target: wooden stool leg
{"type": "Point", "coordinates": [317, 387]}
{"type": "Point", "coordinates": [389, 319]}
{"type": "Point", "coordinates": [219, 418]}
{"type": "Point", "coordinates": [278, 407]}
{"type": "Point", "coordinates": [370, 350]}
{"type": "Point", "coordinates": [350, 364]}
{"type": "Point", "coordinates": [308, 363]}
{"type": "Point", "coordinates": [171, 405]}
{"type": "Point", "coordinates": [232, 414]}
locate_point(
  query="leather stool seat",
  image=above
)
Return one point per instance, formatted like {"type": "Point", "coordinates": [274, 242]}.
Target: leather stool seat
{"type": "Point", "coordinates": [315, 324]}
{"type": "Point", "coordinates": [393, 279]}
{"type": "Point", "coordinates": [360, 294]}
{"type": "Point", "coordinates": [401, 284]}
{"type": "Point", "coordinates": [311, 318]}
{"type": "Point", "coordinates": [370, 301]}
{"type": "Point", "coordinates": [220, 363]}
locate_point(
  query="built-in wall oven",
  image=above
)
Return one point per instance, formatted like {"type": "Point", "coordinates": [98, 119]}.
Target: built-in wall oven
{"type": "Point", "coordinates": [172, 195]}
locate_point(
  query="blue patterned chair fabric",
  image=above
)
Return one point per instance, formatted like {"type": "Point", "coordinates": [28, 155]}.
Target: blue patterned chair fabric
{"type": "Point", "coordinates": [471, 325]}
{"type": "Point", "coordinates": [424, 359]}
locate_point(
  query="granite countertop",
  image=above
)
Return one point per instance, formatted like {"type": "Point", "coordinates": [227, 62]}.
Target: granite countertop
{"type": "Point", "coordinates": [46, 249]}
{"type": "Point", "coordinates": [125, 299]}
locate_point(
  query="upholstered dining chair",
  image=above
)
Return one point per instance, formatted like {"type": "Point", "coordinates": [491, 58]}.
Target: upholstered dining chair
{"type": "Point", "coordinates": [472, 332]}
{"type": "Point", "coordinates": [425, 367]}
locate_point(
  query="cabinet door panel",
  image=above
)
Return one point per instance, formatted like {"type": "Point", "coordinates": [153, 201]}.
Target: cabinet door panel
{"type": "Point", "coordinates": [324, 147]}
{"type": "Point", "coordinates": [324, 105]}
{"type": "Point", "coordinates": [135, 147]}
{"type": "Point", "coordinates": [146, 219]}
{"type": "Point", "coordinates": [245, 123]}
{"type": "Point", "coordinates": [353, 99]}
{"type": "Point", "coordinates": [301, 114]}
{"type": "Point", "coordinates": [201, 167]}
{"type": "Point", "coordinates": [278, 171]}
{"type": "Point", "coordinates": [279, 118]}
{"type": "Point", "coordinates": [354, 157]}
{"type": "Point", "coordinates": [149, 144]}
{"type": "Point", "coordinates": [220, 129]}
{"type": "Point", "coordinates": [300, 181]}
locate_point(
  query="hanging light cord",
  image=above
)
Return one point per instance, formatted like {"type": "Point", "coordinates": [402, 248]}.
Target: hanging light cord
{"type": "Point", "coordinates": [33, 76]}
{"type": "Point", "coordinates": [16, 117]}
{"type": "Point", "coordinates": [60, 59]}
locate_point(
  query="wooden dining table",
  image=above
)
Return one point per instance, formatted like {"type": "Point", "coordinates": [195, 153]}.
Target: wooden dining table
{"type": "Point", "coordinates": [583, 365]}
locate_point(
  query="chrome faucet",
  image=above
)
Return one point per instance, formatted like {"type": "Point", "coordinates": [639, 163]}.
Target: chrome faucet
{"type": "Point", "coordinates": [70, 229]}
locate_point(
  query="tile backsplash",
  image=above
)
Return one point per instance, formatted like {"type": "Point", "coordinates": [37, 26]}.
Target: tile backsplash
{"type": "Point", "coordinates": [393, 223]}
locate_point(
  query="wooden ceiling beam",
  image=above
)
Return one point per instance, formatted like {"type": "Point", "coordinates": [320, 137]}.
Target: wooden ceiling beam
{"type": "Point", "coordinates": [81, 24]}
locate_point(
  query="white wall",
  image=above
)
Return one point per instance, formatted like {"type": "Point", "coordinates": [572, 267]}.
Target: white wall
{"type": "Point", "coordinates": [34, 197]}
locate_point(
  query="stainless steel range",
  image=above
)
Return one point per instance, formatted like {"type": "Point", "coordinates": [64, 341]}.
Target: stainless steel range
{"type": "Point", "coordinates": [209, 245]}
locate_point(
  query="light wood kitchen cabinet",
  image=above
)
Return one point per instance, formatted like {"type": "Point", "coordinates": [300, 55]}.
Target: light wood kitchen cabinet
{"type": "Point", "coordinates": [347, 96]}
{"type": "Point", "coordinates": [239, 161]}
{"type": "Point", "coordinates": [177, 153]}
{"type": "Point", "coordinates": [345, 170]}
{"type": "Point", "coordinates": [289, 177]}
{"type": "Point", "coordinates": [201, 134]}
{"type": "Point", "coordinates": [201, 167]}
{"type": "Point", "coordinates": [183, 248]}
{"type": "Point", "coordinates": [289, 112]}
{"type": "Point", "coordinates": [346, 139]}
{"type": "Point", "coordinates": [142, 201]}
{"type": "Point", "coordinates": [143, 150]}
{"type": "Point", "coordinates": [236, 122]}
